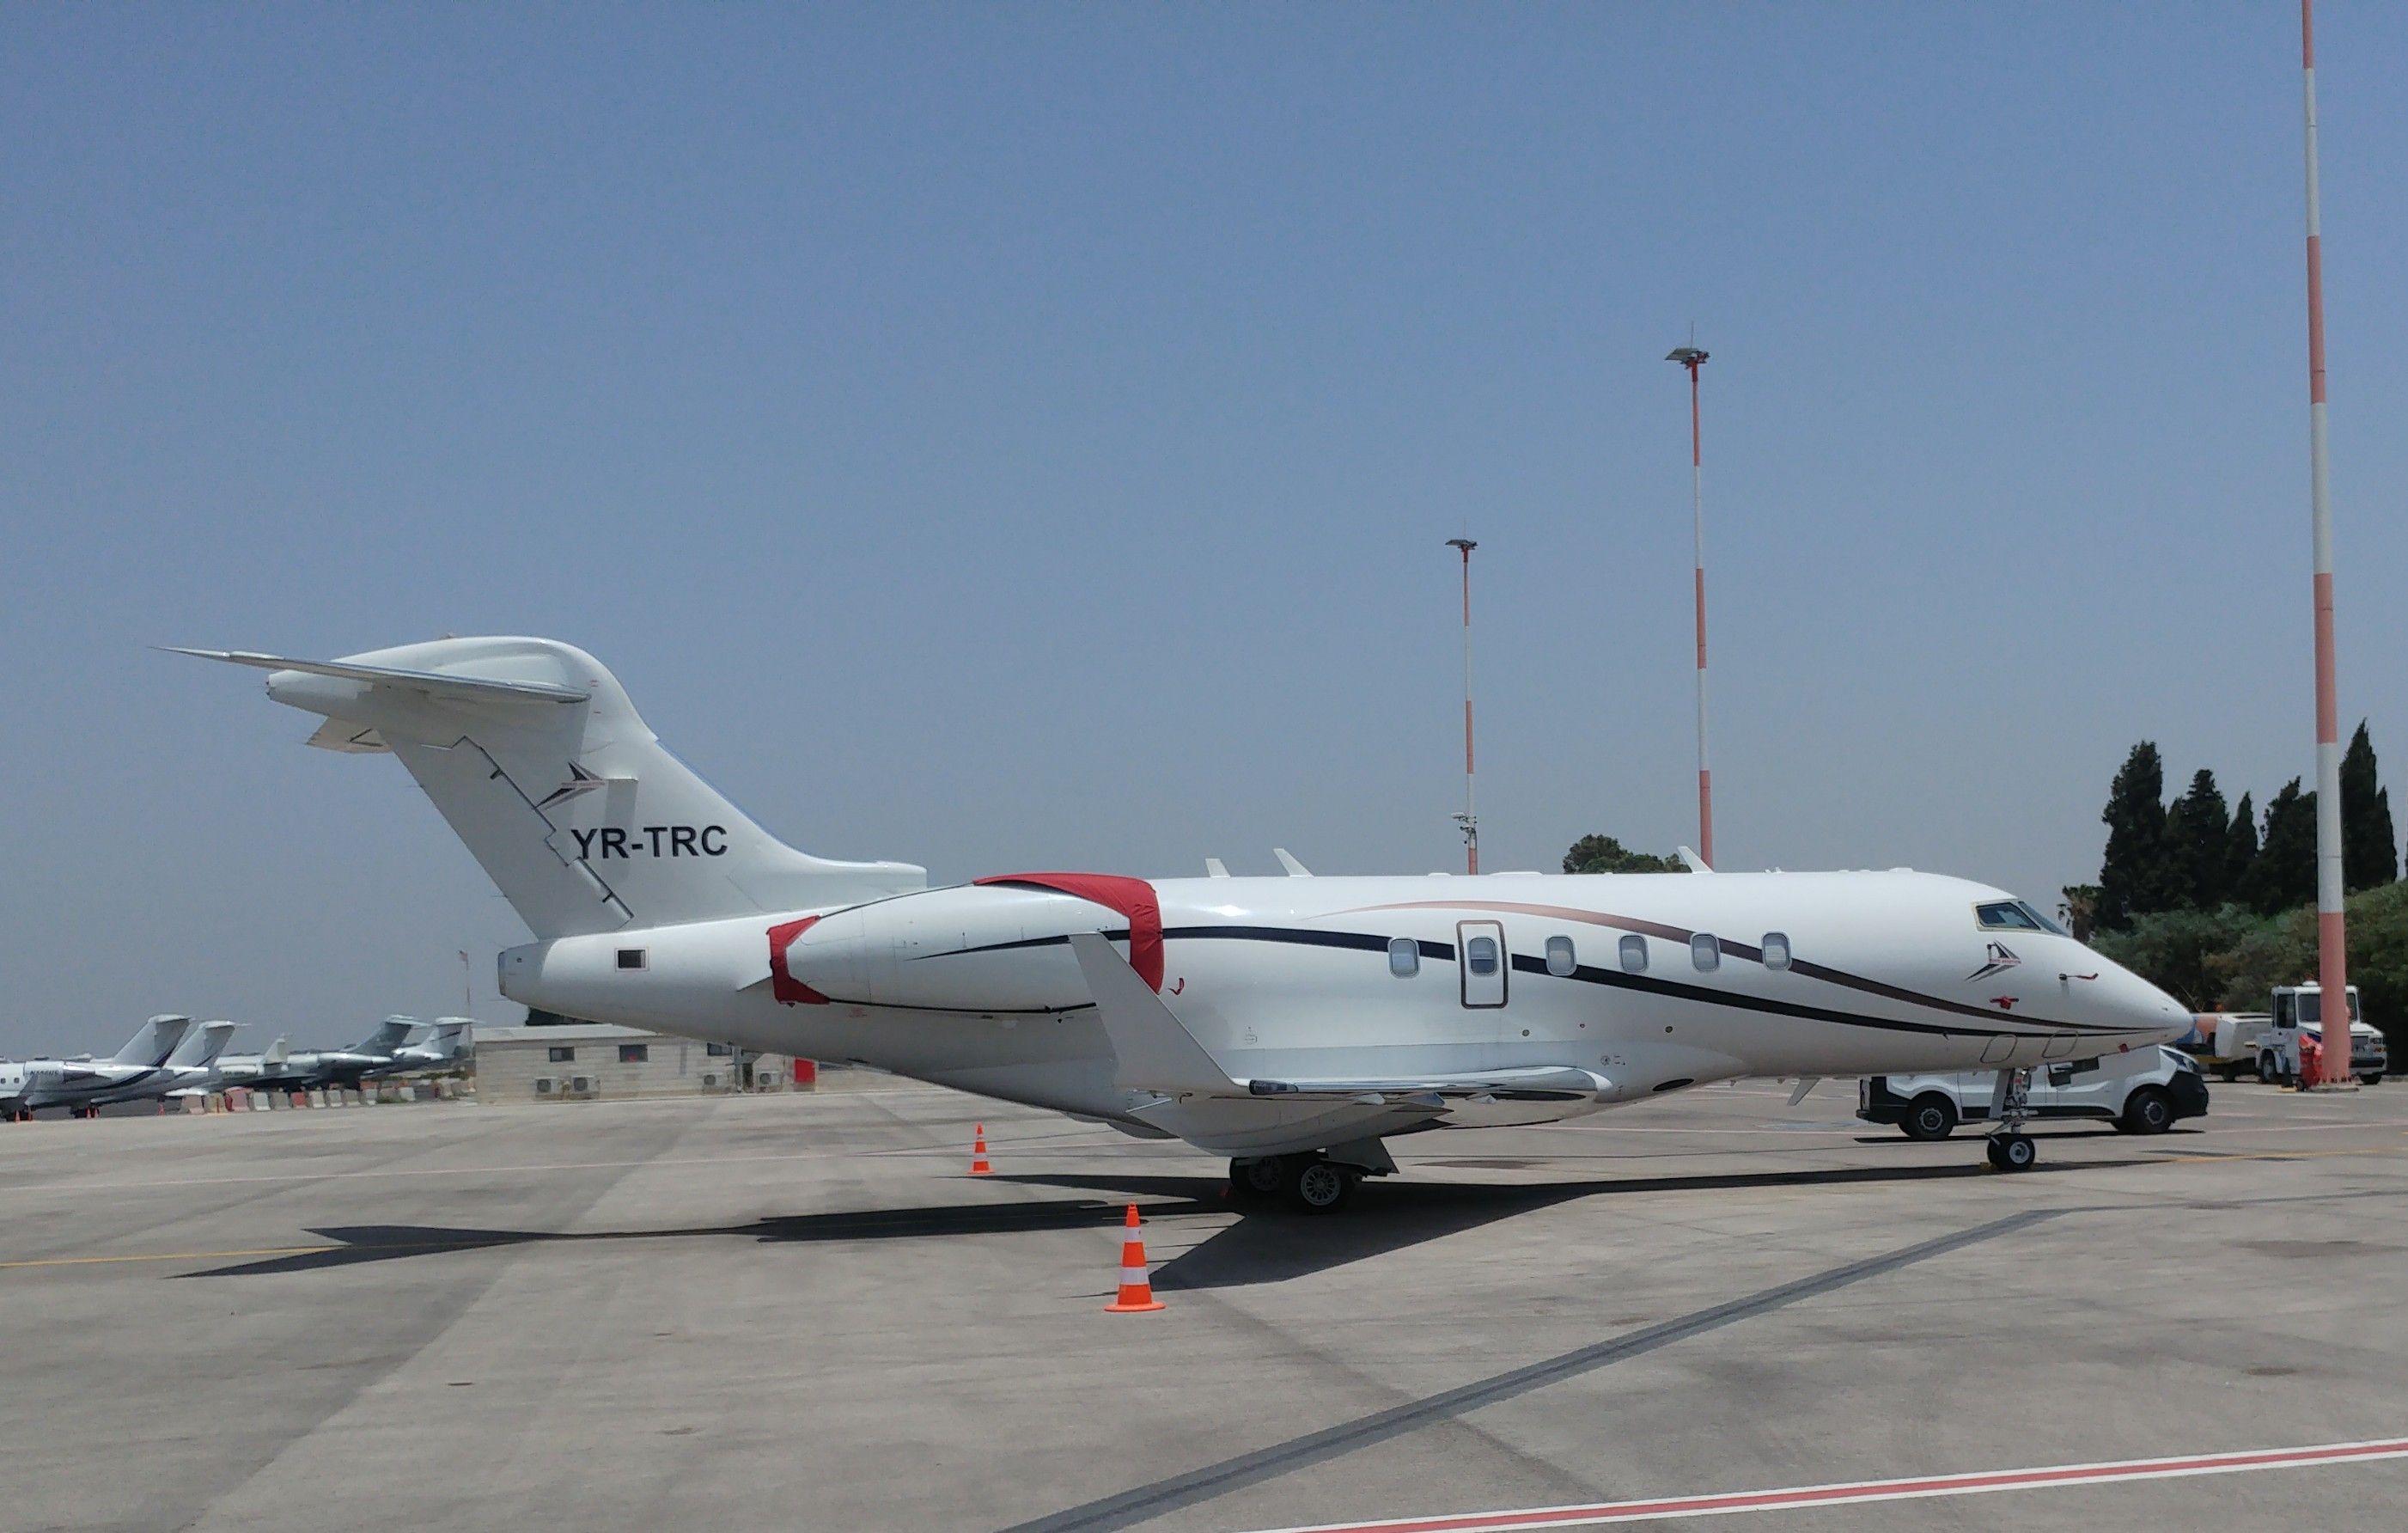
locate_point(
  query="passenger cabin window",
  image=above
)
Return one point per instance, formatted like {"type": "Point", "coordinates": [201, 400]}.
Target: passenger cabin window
{"type": "Point", "coordinates": [2014, 915]}
{"type": "Point", "coordinates": [1480, 955]}
{"type": "Point", "coordinates": [1561, 960]}
{"type": "Point", "coordinates": [1776, 949]}
{"type": "Point", "coordinates": [1705, 951]}
{"type": "Point", "coordinates": [631, 958]}
{"type": "Point", "coordinates": [1634, 953]}
{"type": "Point", "coordinates": [1404, 957]}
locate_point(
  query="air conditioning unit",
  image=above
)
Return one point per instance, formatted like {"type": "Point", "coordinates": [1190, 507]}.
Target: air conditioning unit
{"type": "Point", "coordinates": [581, 1086]}
{"type": "Point", "coordinates": [710, 1081]}
{"type": "Point", "coordinates": [544, 1085]}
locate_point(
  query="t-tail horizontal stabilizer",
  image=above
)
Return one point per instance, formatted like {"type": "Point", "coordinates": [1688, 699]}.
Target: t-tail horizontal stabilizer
{"type": "Point", "coordinates": [1153, 1049]}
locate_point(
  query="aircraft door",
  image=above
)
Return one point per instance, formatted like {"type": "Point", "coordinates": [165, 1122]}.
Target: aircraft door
{"type": "Point", "coordinates": [1482, 962]}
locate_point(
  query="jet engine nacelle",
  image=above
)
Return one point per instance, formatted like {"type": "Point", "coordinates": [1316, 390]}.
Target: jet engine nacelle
{"type": "Point", "coordinates": [992, 946]}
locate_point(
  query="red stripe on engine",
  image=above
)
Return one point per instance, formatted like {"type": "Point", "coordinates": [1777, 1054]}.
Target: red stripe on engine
{"type": "Point", "coordinates": [1131, 898]}
{"type": "Point", "coordinates": [788, 990]}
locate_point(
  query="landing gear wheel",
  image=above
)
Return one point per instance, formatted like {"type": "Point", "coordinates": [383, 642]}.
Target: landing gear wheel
{"type": "Point", "coordinates": [1929, 1116]}
{"type": "Point", "coordinates": [1320, 1186]}
{"type": "Point", "coordinates": [2013, 1151]}
{"type": "Point", "coordinates": [1257, 1180]}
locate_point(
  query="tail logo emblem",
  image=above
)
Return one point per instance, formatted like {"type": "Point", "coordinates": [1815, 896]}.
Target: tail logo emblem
{"type": "Point", "coordinates": [579, 780]}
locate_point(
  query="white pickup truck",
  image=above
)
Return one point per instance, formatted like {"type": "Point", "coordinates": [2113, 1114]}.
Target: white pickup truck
{"type": "Point", "coordinates": [2146, 1090]}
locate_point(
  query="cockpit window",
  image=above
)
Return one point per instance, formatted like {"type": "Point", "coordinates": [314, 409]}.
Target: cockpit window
{"type": "Point", "coordinates": [2014, 915]}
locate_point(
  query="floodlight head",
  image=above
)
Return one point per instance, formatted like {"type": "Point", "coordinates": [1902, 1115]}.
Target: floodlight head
{"type": "Point", "coordinates": [1466, 544]}
{"type": "Point", "coordinates": [1688, 356]}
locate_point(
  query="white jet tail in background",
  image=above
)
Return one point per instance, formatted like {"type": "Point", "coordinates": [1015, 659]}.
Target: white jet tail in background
{"type": "Point", "coordinates": [533, 752]}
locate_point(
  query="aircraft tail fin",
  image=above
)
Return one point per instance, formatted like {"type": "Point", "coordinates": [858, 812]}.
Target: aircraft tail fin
{"type": "Point", "coordinates": [389, 1036]}
{"type": "Point", "coordinates": [533, 752]}
{"type": "Point", "coordinates": [154, 1040]}
{"type": "Point", "coordinates": [201, 1045]}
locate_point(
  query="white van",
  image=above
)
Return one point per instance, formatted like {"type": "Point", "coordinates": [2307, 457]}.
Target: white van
{"type": "Point", "coordinates": [2145, 1092]}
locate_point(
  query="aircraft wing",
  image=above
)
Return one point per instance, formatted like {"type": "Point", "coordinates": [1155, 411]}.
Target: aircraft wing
{"type": "Point", "coordinates": [1156, 1051]}
{"type": "Point", "coordinates": [1541, 1084]}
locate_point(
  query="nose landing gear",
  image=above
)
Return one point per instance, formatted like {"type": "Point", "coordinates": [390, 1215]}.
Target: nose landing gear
{"type": "Point", "coordinates": [2010, 1148]}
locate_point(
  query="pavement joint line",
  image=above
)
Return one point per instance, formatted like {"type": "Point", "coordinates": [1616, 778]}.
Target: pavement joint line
{"type": "Point", "coordinates": [1214, 1481]}
{"type": "Point", "coordinates": [1857, 1493]}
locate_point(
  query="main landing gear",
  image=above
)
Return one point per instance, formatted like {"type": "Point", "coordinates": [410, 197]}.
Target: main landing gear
{"type": "Point", "coordinates": [2010, 1148]}
{"type": "Point", "coordinates": [1313, 1184]}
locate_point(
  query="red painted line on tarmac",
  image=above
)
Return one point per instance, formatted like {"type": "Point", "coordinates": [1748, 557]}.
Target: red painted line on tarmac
{"type": "Point", "coordinates": [1599, 1512]}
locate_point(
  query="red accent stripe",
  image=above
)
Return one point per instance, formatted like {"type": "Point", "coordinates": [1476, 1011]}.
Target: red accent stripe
{"type": "Point", "coordinates": [1131, 898]}
{"type": "Point", "coordinates": [1878, 1490]}
{"type": "Point", "coordinates": [788, 990]}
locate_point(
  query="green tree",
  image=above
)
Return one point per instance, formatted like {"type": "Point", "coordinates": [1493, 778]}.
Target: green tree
{"type": "Point", "coordinates": [1605, 854]}
{"type": "Point", "coordinates": [2186, 954]}
{"type": "Point", "coordinates": [2240, 848]}
{"type": "Point", "coordinates": [2078, 907]}
{"type": "Point", "coordinates": [2197, 833]}
{"type": "Point", "coordinates": [2283, 877]}
{"type": "Point", "coordinates": [2369, 858]}
{"type": "Point", "coordinates": [2138, 873]}
{"type": "Point", "coordinates": [2283, 952]}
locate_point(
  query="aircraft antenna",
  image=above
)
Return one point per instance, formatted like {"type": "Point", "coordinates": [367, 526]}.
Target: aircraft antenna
{"type": "Point", "coordinates": [1468, 819]}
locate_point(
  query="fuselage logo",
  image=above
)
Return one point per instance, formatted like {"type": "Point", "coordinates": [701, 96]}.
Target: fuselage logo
{"type": "Point", "coordinates": [650, 842]}
{"type": "Point", "coordinates": [2000, 960]}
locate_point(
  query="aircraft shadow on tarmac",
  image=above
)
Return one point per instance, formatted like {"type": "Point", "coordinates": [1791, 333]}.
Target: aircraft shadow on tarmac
{"type": "Point", "coordinates": [1260, 1244]}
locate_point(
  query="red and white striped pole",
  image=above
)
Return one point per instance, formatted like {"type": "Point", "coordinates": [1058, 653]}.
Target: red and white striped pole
{"type": "Point", "coordinates": [1468, 819]}
{"type": "Point", "coordinates": [2332, 950]}
{"type": "Point", "coordinates": [1691, 358]}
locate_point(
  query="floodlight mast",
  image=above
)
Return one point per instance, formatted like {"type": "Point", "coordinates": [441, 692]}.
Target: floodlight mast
{"type": "Point", "coordinates": [2333, 951]}
{"type": "Point", "coordinates": [1468, 819]}
{"type": "Point", "coordinates": [1692, 358]}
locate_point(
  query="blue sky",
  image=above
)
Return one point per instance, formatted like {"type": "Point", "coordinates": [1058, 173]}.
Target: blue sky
{"type": "Point", "coordinates": [1010, 436]}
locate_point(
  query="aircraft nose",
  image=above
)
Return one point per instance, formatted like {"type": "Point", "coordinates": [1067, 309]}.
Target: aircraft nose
{"type": "Point", "coordinates": [2132, 1002]}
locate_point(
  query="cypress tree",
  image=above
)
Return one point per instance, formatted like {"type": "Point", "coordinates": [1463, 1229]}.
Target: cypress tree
{"type": "Point", "coordinates": [2283, 877]}
{"type": "Point", "coordinates": [2369, 857]}
{"type": "Point", "coordinates": [2197, 830]}
{"type": "Point", "coordinates": [2240, 850]}
{"type": "Point", "coordinates": [2138, 872]}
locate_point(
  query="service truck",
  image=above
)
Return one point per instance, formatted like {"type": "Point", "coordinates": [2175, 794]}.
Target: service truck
{"type": "Point", "coordinates": [2299, 1008]}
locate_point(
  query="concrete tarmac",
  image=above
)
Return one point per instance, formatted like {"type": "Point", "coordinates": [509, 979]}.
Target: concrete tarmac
{"type": "Point", "coordinates": [798, 1313]}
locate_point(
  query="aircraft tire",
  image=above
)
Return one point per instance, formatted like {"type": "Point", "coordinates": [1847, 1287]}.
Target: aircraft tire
{"type": "Point", "coordinates": [1315, 1185]}
{"type": "Point", "coordinates": [1256, 1180]}
{"type": "Point", "coordinates": [2013, 1151]}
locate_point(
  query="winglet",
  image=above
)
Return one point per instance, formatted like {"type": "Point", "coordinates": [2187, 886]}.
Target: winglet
{"type": "Point", "coordinates": [1694, 862]}
{"type": "Point", "coordinates": [1287, 860]}
{"type": "Point", "coordinates": [1152, 1048]}
{"type": "Point", "coordinates": [1215, 868]}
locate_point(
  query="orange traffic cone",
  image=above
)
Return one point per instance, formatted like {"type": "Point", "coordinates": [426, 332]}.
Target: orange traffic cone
{"type": "Point", "coordinates": [978, 1154]}
{"type": "Point", "coordinates": [1137, 1286]}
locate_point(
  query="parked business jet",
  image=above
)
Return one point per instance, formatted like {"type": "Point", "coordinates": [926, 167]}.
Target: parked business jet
{"type": "Point", "coordinates": [1290, 1023]}
{"type": "Point", "coordinates": [436, 1047]}
{"type": "Point", "coordinates": [80, 1084]}
{"type": "Point", "coordinates": [191, 1069]}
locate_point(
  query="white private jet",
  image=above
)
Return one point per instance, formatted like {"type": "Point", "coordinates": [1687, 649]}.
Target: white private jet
{"type": "Point", "coordinates": [191, 1070]}
{"type": "Point", "coordinates": [1291, 1024]}
{"type": "Point", "coordinates": [80, 1084]}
